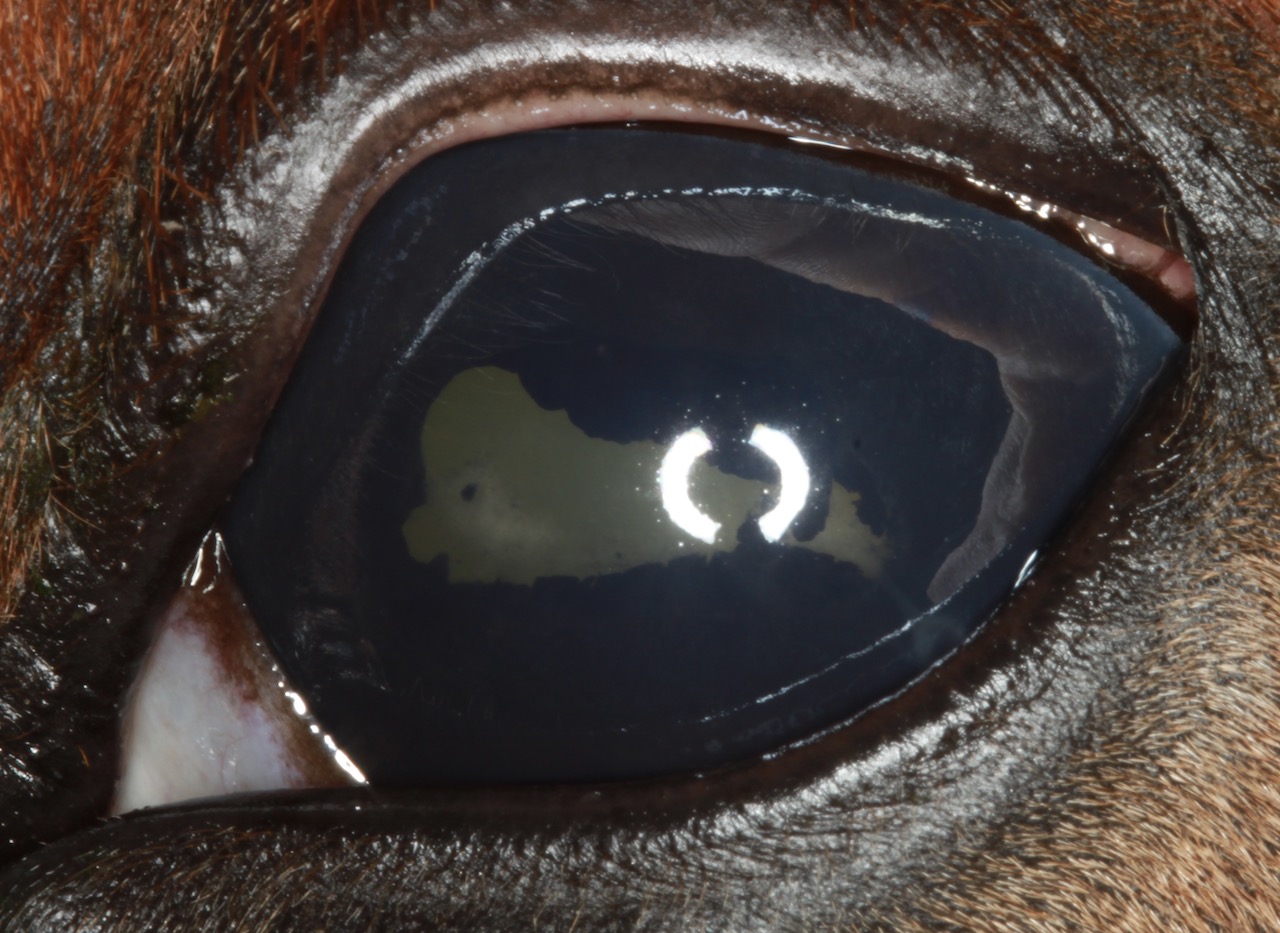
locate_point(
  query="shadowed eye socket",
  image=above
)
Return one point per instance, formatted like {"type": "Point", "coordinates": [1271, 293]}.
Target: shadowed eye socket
{"type": "Point", "coordinates": [619, 452]}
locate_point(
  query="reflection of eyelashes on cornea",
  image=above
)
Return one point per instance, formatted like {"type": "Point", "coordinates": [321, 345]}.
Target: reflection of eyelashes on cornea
{"type": "Point", "coordinates": [496, 322]}
{"type": "Point", "coordinates": [722, 222]}
{"type": "Point", "coordinates": [717, 229]}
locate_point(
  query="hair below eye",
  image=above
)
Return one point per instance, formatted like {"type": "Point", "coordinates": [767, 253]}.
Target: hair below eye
{"type": "Point", "coordinates": [619, 452]}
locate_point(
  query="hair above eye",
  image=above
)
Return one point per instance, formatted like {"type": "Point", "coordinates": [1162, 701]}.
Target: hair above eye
{"type": "Point", "coordinates": [618, 452]}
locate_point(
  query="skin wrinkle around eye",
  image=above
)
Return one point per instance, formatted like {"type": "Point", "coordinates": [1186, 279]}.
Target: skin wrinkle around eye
{"type": "Point", "coordinates": [1084, 598]}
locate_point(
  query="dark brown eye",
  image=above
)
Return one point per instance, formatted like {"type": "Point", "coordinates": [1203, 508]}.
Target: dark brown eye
{"type": "Point", "coordinates": [619, 452]}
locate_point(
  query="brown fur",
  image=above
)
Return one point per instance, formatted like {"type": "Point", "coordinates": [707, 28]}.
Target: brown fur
{"type": "Point", "coordinates": [1172, 822]}
{"type": "Point", "coordinates": [115, 118]}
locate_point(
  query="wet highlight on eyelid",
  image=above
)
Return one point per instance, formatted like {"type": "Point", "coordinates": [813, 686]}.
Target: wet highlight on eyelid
{"type": "Point", "coordinates": [1220, 308]}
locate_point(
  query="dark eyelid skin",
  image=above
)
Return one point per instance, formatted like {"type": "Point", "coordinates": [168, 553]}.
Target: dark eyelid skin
{"type": "Point", "coordinates": [1051, 764]}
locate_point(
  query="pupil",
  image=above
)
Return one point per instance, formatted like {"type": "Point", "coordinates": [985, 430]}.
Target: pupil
{"type": "Point", "coordinates": [621, 452]}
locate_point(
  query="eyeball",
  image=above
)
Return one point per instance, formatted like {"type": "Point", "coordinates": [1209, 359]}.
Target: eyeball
{"type": "Point", "coordinates": [623, 452]}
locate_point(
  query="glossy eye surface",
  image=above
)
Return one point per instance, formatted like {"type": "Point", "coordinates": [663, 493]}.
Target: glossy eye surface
{"type": "Point", "coordinates": [618, 452]}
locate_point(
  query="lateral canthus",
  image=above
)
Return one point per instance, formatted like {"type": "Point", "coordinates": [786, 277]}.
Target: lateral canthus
{"type": "Point", "coordinates": [179, 183]}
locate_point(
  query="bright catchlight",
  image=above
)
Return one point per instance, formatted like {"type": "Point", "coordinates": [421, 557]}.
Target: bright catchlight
{"type": "Point", "coordinates": [673, 482]}
{"type": "Point", "coordinates": [794, 480]}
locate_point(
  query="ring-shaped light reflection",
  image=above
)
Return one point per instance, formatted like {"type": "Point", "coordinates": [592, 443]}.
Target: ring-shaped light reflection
{"type": "Point", "coordinates": [673, 482]}
{"type": "Point", "coordinates": [793, 481]}
{"type": "Point", "coordinates": [677, 463]}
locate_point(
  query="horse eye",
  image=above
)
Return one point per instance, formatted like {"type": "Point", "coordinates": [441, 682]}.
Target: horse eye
{"type": "Point", "coordinates": [618, 452]}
